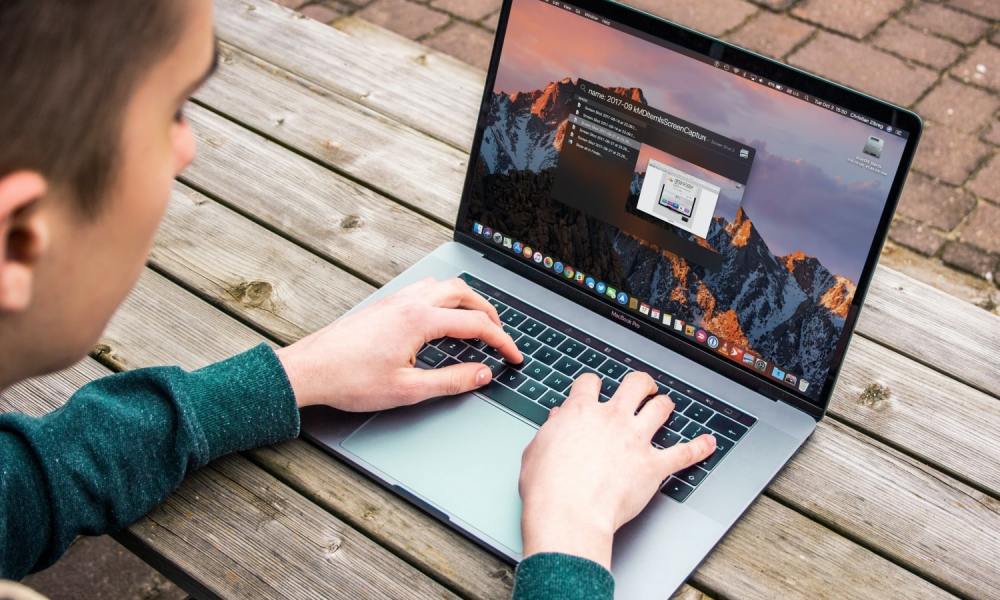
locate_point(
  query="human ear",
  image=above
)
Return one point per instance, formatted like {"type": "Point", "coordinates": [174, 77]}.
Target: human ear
{"type": "Point", "coordinates": [24, 238]}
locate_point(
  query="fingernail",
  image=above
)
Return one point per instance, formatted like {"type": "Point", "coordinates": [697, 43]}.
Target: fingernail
{"type": "Point", "coordinates": [482, 376]}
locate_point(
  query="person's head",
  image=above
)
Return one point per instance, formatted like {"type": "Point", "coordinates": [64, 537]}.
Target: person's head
{"type": "Point", "coordinates": [92, 134]}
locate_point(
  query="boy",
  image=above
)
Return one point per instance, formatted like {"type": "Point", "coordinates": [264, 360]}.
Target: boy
{"type": "Point", "coordinates": [93, 134]}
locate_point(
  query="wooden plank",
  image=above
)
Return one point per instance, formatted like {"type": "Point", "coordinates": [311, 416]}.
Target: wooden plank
{"type": "Point", "coordinates": [149, 345]}
{"type": "Point", "coordinates": [197, 247]}
{"type": "Point", "coordinates": [362, 68]}
{"type": "Point", "coordinates": [240, 533]}
{"type": "Point", "coordinates": [220, 254]}
{"type": "Point", "coordinates": [940, 330]}
{"type": "Point", "coordinates": [373, 236]}
{"type": "Point", "coordinates": [386, 155]}
{"type": "Point", "coordinates": [901, 313]}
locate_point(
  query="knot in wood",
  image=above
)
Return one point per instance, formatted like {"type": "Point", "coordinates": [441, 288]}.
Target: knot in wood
{"type": "Point", "coordinates": [351, 222]}
{"type": "Point", "coordinates": [875, 396]}
{"type": "Point", "coordinates": [252, 293]}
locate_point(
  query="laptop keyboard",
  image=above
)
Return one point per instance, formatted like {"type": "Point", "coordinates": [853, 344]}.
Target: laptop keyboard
{"type": "Point", "coordinates": [556, 353]}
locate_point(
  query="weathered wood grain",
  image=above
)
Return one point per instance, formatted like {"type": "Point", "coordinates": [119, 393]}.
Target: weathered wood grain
{"type": "Point", "coordinates": [951, 438]}
{"type": "Point", "coordinates": [371, 235]}
{"type": "Point", "coordinates": [386, 155]}
{"type": "Point", "coordinates": [934, 328]}
{"type": "Point", "coordinates": [314, 480]}
{"type": "Point", "coordinates": [364, 69]}
{"type": "Point", "coordinates": [240, 533]}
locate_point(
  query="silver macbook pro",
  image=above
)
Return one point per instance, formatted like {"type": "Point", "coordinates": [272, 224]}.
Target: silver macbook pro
{"type": "Point", "coordinates": [644, 197]}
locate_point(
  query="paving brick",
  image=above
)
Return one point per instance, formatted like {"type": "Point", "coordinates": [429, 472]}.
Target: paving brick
{"type": "Point", "coordinates": [863, 67]}
{"type": "Point", "coordinates": [970, 259]}
{"type": "Point", "coordinates": [992, 134]}
{"type": "Point", "coordinates": [714, 18]}
{"type": "Point", "coordinates": [491, 21]}
{"type": "Point", "coordinates": [856, 18]}
{"type": "Point", "coordinates": [925, 200]}
{"type": "Point", "coordinates": [959, 106]}
{"type": "Point", "coordinates": [465, 42]}
{"type": "Point", "coordinates": [98, 568]}
{"type": "Point", "coordinates": [325, 13]}
{"type": "Point", "coordinates": [944, 21]}
{"type": "Point", "coordinates": [984, 8]}
{"type": "Point", "coordinates": [405, 18]}
{"type": "Point", "coordinates": [916, 236]}
{"type": "Point", "coordinates": [981, 67]}
{"type": "Point", "coordinates": [948, 154]}
{"type": "Point", "coordinates": [916, 45]}
{"type": "Point", "coordinates": [472, 10]}
{"type": "Point", "coordinates": [986, 183]}
{"type": "Point", "coordinates": [980, 229]}
{"type": "Point", "coordinates": [772, 34]}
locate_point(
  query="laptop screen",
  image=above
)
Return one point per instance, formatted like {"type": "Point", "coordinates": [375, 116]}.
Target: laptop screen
{"type": "Point", "coordinates": [727, 209]}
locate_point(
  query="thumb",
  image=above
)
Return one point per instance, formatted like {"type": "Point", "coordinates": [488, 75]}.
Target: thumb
{"type": "Point", "coordinates": [447, 381]}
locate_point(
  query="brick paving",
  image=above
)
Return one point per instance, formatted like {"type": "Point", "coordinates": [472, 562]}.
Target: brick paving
{"type": "Point", "coordinates": [938, 57]}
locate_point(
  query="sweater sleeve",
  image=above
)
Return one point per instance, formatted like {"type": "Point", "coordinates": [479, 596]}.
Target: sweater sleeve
{"type": "Point", "coordinates": [123, 443]}
{"type": "Point", "coordinates": [563, 576]}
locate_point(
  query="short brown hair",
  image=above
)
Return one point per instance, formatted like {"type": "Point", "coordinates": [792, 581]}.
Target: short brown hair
{"type": "Point", "coordinates": [67, 71]}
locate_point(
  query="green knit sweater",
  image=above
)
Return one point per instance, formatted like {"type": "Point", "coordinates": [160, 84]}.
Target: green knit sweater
{"type": "Point", "coordinates": [123, 443]}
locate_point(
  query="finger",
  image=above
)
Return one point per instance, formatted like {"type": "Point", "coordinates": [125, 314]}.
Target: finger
{"type": "Point", "coordinates": [468, 324]}
{"type": "Point", "coordinates": [586, 389]}
{"type": "Point", "coordinates": [682, 456]}
{"type": "Point", "coordinates": [635, 387]}
{"type": "Point", "coordinates": [654, 413]}
{"type": "Point", "coordinates": [455, 293]}
{"type": "Point", "coordinates": [421, 384]}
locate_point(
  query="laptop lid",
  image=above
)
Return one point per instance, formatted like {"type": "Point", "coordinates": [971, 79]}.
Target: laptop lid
{"type": "Point", "coordinates": [725, 205]}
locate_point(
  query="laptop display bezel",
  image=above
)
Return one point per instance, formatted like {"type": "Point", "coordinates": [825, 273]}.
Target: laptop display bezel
{"type": "Point", "coordinates": [762, 66]}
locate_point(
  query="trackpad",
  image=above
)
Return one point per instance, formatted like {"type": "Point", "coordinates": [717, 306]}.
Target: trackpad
{"type": "Point", "coordinates": [461, 455]}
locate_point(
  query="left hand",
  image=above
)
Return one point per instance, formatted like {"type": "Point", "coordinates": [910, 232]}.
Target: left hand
{"type": "Point", "coordinates": [365, 361]}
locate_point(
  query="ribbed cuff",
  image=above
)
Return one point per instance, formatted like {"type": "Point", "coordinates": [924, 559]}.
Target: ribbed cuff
{"type": "Point", "coordinates": [244, 402]}
{"type": "Point", "coordinates": [564, 576]}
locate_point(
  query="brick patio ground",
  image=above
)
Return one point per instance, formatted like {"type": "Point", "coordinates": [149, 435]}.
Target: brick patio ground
{"type": "Point", "coordinates": [938, 57]}
{"type": "Point", "coordinates": [941, 58]}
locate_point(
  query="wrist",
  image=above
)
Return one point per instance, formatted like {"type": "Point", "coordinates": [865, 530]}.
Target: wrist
{"type": "Point", "coordinates": [555, 530]}
{"type": "Point", "coordinates": [296, 378]}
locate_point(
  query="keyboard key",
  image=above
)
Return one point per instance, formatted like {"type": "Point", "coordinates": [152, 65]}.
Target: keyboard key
{"type": "Point", "coordinates": [511, 378]}
{"type": "Point", "coordinates": [532, 411]}
{"type": "Point", "coordinates": [722, 446]}
{"type": "Point", "coordinates": [663, 390]}
{"type": "Point", "coordinates": [552, 337]}
{"type": "Point", "coordinates": [727, 427]}
{"type": "Point", "coordinates": [476, 343]}
{"type": "Point", "coordinates": [551, 399]}
{"type": "Point", "coordinates": [452, 346]}
{"type": "Point", "coordinates": [558, 382]}
{"type": "Point", "coordinates": [471, 355]}
{"type": "Point", "coordinates": [571, 347]}
{"type": "Point", "coordinates": [532, 389]}
{"type": "Point", "coordinates": [665, 438]}
{"type": "Point", "coordinates": [496, 367]}
{"type": "Point", "coordinates": [528, 344]}
{"type": "Point", "coordinates": [677, 421]}
{"type": "Point", "coordinates": [680, 401]}
{"type": "Point", "coordinates": [531, 327]}
{"type": "Point", "coordinates": [500, 306]}
{"type": "Point", "coordinates": [491, 352]}
{"type": "Point", "coordinates": [512, 332]}
{"type": "Point", "coordinates": [546, 355]}
{"type": "Point", "coordinates": [609, 387]}
{"type": "Point", "coordinates": [677, 489]}
{"type": "Point", "coordinates": [567, 365]}
{"type": "Point", "coordinates": [612, 369]}
{"type": "Point", "coordinates": [693, 430]}
{"type": "Point", "coordinates": [591, 358]}
{"type": "Point", "coordinates": [698, 412]}
{"type": "Point", "coordinates": [447, 362]}
{"type": "Point", "coordinates": [431, 356]}
{"type": "Point", "coordinates": [536, 370]}
{"type": "Point", "coordinates": [512, 317]}
{"type": "Point", "coordinates": [691, 475]}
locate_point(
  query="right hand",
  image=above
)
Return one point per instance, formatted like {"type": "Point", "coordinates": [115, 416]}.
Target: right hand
{"type": "Point", "coordinates": [591, 468]}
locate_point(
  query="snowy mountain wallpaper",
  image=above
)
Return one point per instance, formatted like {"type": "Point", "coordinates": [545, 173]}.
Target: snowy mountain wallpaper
{"type": "Point", "coordinates": [793, 241]}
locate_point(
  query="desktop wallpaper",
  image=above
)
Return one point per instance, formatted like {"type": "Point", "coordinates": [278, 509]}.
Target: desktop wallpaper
{"type": "Point", "coordinates": [794, 240]}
